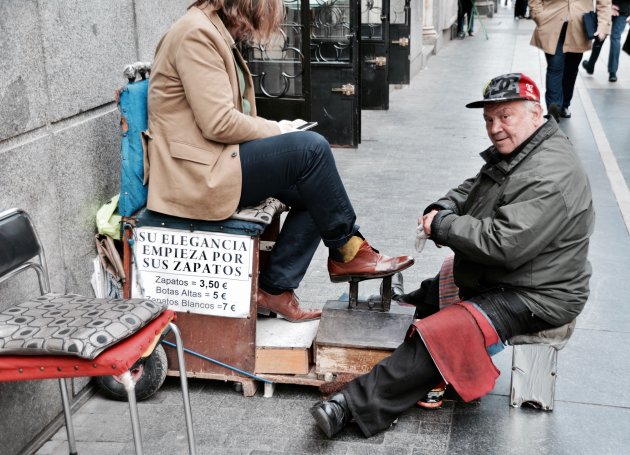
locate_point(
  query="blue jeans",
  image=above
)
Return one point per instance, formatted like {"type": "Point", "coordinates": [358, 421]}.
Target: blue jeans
{"type": "Point", "coordinates": [298, 169]}
{"type": "Point", "coordinates": [618, 25]}
{"type": "Point", "coordinates": [562, 71]}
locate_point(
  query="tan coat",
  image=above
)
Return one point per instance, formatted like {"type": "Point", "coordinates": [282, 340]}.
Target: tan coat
{"type": "Point", "coordinates": [550, 15]}
{"type": "Point", "coordinates": [192, 159]}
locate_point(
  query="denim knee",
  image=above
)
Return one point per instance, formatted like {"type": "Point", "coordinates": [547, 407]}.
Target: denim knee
{"type": "Point", "coordinates": [316, 146]}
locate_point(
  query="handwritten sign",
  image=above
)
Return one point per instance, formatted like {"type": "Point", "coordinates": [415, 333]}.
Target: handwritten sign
{"type": "Point", "coordinates": [197, 272]}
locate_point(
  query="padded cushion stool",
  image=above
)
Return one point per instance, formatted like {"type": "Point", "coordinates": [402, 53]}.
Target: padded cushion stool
{"type": "Point", "coordinates": [534, 366]}
{"type": "Point", "coordinates": [65, 335]}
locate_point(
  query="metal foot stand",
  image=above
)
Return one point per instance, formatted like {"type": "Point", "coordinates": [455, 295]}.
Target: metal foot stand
{"type": "Point", "coordinates": [354, 335]}
{"type": "Point", "coordinates": [380, 302]}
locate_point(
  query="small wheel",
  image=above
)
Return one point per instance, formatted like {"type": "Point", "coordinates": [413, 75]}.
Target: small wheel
{"type": "Point", "coordinates": [149, 377]}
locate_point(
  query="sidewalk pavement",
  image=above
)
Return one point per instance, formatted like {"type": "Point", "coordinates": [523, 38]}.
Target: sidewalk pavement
{"type": "Point", "coordinates": [410, 155]}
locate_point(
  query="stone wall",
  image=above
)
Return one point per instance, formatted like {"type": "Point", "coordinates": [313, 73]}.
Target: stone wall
{"type": "Point", "coordinates": [62, 61]}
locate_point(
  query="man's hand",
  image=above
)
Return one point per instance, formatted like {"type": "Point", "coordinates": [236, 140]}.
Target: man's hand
{"type": "Point", "coordinates": [600, 35]}
{"type": "Point", "coordinates": [425, 222]}
{"type": "Point", "coordinates": [615, 10]}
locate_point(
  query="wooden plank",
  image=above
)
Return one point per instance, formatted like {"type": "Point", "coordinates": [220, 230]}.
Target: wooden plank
{"type": "Point", "coordinates": [282, 361]}
{"type": "Point", "coordinates": [335, 359]}
{"type": "Point", "coordinates": [309, 379]}
{"type": "Point", "coordinates": [249, 385]}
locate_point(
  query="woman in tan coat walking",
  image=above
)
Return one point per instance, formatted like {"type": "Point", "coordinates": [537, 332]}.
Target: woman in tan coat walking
{"type": "Point", "coordinates": [560, 34]}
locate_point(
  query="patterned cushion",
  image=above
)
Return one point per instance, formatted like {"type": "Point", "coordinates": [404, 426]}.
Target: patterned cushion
{"type": "Point", "coordinates": [261, 213]}
{"type": "Point", "coordinates": [71, 324]}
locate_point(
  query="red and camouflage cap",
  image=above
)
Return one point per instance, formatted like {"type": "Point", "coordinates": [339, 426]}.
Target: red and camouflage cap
{"type": "Point", "coordinates": [508, 87]}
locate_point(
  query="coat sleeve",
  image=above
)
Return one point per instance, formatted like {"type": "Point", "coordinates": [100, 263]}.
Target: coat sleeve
{"type": "Point", "coordinates": [604, 15]}
{"type": "Point", "coordinates": [453, 200]}
{"type": "Point", "coordinates": [519, 231]}
{"type": "Point", "coordinates": [535, 10]}
{"type": "Point", "coordinates": [208, 90]}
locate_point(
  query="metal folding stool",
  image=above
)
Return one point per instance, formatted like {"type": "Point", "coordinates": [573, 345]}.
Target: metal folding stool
{"type": "Point", "coordinates": [21, 250]}
{"type": "Point", "coordinates": [534, 366]}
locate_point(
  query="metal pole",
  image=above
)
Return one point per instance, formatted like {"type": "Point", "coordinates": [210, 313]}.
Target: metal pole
{"type": "Point", "coordinates": [184, 381]}
{"type": "Point", "coordinates": [130, 386]}
{"type": "Point", "coordinates": [67, 412]}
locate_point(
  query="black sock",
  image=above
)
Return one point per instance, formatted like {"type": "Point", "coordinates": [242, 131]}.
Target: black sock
{"type": "Point", "coordinates": [335, 254]}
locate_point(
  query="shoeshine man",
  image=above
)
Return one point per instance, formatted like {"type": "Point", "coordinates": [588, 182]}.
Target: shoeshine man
{"type": "Point", "coordinates": [519, 231]}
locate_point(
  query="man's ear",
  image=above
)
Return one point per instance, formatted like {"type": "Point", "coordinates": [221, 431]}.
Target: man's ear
{"type": "Point", "coordinates": [537, 113]}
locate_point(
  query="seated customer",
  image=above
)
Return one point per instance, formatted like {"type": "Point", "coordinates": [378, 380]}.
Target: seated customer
{"type": "Point", "coordinates": [520, 233]}
{"type": "Point", "coordinates": [209, 153]}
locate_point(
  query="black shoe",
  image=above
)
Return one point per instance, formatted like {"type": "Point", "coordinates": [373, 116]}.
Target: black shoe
{"type": "Point", "coordinates": [331, 415]}
{"type": "Point", "coordinates": [565, 113]}
{"type": "Point", "coordinates": [588, 69]}
{"type": "Point", "coordinates": [612, 77]}
{"type": "Point", "coordinates": [554, 111]}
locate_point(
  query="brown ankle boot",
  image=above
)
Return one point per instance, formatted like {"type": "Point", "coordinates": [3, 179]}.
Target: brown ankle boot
{"type": "Point", "coordinates": [286, 305]}
{"type": "Point", "coordinates": [367, 263]}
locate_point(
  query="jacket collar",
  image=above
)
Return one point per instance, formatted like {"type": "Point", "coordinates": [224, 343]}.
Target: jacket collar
{"type": "Point", "coordinates": [218, 23]}
{"type": "Point", "coordinates": [493, 158]}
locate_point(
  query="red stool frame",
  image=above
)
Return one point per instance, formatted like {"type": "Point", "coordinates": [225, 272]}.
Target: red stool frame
{"type": "Point", "coordinates": [16, 227]}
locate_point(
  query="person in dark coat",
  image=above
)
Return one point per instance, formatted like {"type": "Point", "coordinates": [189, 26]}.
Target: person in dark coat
{"type": "Point", "coordinates": [620, 14]}
{"type": "Point", "coordinates": [465, 20]}
{"type": "Point", "coordinates": [520, 233]}
{"type": "Point", "coordinates": [520, 9]}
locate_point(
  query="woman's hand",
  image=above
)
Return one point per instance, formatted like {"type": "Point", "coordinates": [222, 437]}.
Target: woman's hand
{"type": "Point", "coordinates": [288, 126]}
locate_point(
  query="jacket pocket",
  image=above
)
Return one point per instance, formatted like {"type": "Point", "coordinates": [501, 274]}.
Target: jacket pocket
{"type": "Point", "coordinates": [193, 153]}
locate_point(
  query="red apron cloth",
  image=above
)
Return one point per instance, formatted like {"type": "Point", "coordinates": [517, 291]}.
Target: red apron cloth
{"type": "Point", "coordinates": [456, 338]}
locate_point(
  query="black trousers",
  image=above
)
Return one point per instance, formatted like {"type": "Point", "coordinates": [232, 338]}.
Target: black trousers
{"type": "Point", "coordinates": [464, 13]}
{"type": "Point", "coordinates": [298, 169]}
{"type": "Point", "coordinates": [520, 8]}
{"type": "Point", "coordinates": [398, 382]}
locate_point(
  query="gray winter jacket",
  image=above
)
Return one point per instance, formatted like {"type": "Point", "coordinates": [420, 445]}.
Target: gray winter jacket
{"type": "Point", "coordinates": [523, 224]}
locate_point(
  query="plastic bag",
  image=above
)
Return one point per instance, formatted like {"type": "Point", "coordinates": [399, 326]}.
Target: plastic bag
{"type": "Point", "coordinates": [421, 238]}
{"type": "Point", "coordinates": [108, 220]}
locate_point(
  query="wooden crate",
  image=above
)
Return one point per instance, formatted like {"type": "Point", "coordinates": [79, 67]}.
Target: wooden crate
{"type": "Point", "coordinates": [354, 340]}
{"type": "Point", "coordinates": [283, 347]}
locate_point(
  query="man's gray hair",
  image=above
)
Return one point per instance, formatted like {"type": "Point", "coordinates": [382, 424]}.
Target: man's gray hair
{"type": "Point", "coordinates": [531, 105]}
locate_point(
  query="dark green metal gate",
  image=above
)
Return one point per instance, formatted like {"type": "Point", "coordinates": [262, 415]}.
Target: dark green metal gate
{"type": "Point", "coordinates": [399, 32]}
{"type": "Point", "coordinates": [310, 69]}
{"type": "Point", "coordinates": [374, 54]}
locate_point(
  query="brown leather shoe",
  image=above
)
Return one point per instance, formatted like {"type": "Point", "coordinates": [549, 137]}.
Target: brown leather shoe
{"type": "Point", "coordinates": [368, 263]}
{"type": "Point", "coordinates": [286, 305]}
